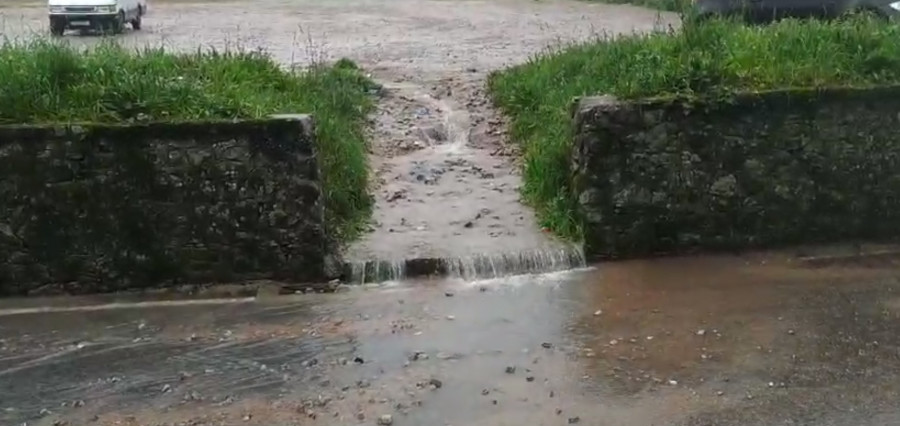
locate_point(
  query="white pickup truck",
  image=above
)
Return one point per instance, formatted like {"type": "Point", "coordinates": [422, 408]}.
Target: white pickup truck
{"type": "Point", "coordinates": [104, 15]}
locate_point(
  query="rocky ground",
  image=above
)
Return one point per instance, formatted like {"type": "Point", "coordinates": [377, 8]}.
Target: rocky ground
{"type": "Point", "coordinates": [756, 340]}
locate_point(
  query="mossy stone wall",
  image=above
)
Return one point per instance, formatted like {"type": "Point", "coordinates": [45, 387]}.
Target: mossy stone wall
{"type": "Point", "coordinates": [760, 169]}
{"type": "Point", "coordinates": [99, 208]}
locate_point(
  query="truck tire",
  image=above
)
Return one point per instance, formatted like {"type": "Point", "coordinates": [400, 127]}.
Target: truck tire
{"type": "Point", "coordinates": [118, 25]}
{"type": "Point", "coordinates": [136, 23]}
{"type": "Point", "coordinates": [57, 27]}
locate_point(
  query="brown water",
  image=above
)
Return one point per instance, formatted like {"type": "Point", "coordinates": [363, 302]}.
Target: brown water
{"type": "Point", "coordinates": [754, 340]}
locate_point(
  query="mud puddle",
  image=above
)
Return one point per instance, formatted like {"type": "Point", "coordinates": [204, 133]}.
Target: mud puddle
{"type": "Point", "coordinates": [753, 340]}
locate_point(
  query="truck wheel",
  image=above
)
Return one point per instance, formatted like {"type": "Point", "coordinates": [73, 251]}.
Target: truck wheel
{"type": "Point", "coordinates": [136, 23]}
{"type": "Point", "coordinates": [57, 27]}
{"type": "Point", "coordinates": [118, 26]}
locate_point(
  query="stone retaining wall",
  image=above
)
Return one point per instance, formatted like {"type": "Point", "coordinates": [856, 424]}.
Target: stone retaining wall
{"type": "Point", "coordinates": [783, 167]}
{"type": "Point", "coordinates": [111, 207]}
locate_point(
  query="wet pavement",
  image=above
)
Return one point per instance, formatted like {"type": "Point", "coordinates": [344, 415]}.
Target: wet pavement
{"type": "Point", "coordinates": [754, 340]}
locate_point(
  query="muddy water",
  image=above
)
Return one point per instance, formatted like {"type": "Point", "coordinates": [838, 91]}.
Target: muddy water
{"type": "Point", "coordinates": [446, 187]}
{"type": "Point", "coordinates": [448, 190]}
{"type": "Point", "coordinates": [756, 340]}
{"type": "Point", "coordinates": [439, 197]}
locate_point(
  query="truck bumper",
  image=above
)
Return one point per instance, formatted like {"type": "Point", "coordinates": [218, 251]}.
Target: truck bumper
{"type": "Point", "coordinates": [94, 20]}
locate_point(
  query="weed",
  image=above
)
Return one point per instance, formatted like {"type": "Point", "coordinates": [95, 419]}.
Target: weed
{"type": "Point", "coordinates": [711, 59]}
{"type": "Point", "coordinates": [49, 82]}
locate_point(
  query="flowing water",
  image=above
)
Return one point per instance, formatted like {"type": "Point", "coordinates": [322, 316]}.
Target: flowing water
{"type": "Point", "coordinates": [753, 340]}
{"type": "Point", "coordinates": [473, 267]}
{"type": "Point", "coordinates": [448, 197]}
{"type": "Point", "coordinates": [447, 189]}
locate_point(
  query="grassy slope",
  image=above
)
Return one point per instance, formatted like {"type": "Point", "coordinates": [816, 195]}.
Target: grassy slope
{"type": "Point", "coordinates": [47, 82]}
{"type": "Point", "coordinates": [706, 60]}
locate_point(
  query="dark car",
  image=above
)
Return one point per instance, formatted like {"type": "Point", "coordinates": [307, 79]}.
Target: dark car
{"type": "Point", "coordinates": [771, 10]}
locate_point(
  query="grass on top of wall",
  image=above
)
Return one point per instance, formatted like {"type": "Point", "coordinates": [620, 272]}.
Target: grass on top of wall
{"type": "Point", "coordinates": [45, 82]}
{"type": "Point", "coordinates": [712, 59]}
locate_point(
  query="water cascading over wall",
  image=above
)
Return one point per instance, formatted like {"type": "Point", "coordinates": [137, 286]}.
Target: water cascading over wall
{"type": "Point", "coordinates": [473, 267]}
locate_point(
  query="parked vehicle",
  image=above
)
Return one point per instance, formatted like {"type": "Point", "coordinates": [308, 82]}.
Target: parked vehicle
{"type": "Point", "coordinates": [103, 15]}
{"type": "Point", "coordinates": [762, 11]}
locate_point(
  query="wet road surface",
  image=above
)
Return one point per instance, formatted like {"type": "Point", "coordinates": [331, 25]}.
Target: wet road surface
{"type": "Point", "coordinates": [753, 340]}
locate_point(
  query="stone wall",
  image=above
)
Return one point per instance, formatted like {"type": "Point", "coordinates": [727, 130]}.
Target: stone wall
{"type": "Point", "coordinates": [110, 207]}
{"type": "Point", "coordinates": [762, 169]}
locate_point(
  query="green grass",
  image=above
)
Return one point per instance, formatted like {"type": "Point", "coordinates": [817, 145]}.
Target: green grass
{"type": "Point", "coordinates": [45, 82]}
{"type": "Point", "coordinates": [709, 60]}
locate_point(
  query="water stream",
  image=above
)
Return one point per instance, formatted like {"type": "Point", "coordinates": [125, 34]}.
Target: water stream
{"type": "Point", "coordinates": [450, 207]}
{"type": "Point", "coordinates": [474, 267]}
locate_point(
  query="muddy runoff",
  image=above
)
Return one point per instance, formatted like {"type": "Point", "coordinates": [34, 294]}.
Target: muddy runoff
{"type": "Point", "coordinates": [754, 340]}
{"type": "Point", "coordinates": [447, 192]}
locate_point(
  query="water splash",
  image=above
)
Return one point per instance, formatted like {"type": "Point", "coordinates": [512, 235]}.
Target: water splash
{"type": "Point", "coordinates": [514, 263]}
{"type": "Point", "coordinates": [475, 267]}
{"type": "Point", "coordinates": [374, 271]}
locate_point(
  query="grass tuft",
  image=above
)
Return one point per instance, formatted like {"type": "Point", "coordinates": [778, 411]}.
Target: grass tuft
{"type": "Point", "coordinates": [713, 59]}
{"type": "Point", "coordinates": [46, 82]}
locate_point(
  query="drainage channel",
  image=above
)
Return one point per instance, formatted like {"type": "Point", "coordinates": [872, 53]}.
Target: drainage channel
{"type": "Point", "coordinates": [475, 267]}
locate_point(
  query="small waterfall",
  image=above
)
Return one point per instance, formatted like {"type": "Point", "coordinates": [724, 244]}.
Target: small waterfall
{"type": "Point", "coordinates": [374, 271]}
{"type": "Point", "coordinates": [480, 266]}
{"type": "Point", "coordinates": [514, 263]}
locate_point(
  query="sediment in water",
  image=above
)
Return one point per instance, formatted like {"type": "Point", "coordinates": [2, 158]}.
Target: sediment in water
{"type": "Point", "coordinates": [479, 266]}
